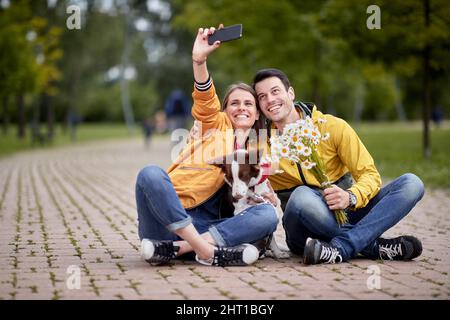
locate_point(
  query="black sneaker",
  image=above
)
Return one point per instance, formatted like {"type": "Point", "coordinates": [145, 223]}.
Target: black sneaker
{"type": "Point", "coordinates": [158, 251]}
{"type": "Point", "coordinates": [400, 248]}
{"type": "Point", "coordinates": [242, 255]}
{"type": "Point", "coordinates": [320, 252]}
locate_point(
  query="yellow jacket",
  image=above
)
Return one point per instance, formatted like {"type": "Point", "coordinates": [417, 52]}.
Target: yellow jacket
{"type": "Point", "coordinates": [343, 152]}
{"type": "Point", "coordinates": [194, 180]}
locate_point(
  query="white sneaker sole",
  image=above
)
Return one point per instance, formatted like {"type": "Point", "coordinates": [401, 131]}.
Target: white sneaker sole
{"type": "Point", "coordinates": [250, 254]}
{"type": "Point", "coordinates": [147, 249]}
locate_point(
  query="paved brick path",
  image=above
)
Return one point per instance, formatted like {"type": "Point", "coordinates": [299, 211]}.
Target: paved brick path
{"type": "Point", "coordinates": [75, 207]}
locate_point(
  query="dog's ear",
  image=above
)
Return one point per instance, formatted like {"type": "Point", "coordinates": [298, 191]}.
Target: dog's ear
{"type": "Point", "coordinates": [218, 161]}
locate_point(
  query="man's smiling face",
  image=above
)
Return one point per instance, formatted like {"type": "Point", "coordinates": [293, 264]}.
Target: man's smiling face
{"type": "Point", "coordinates": [274, 100]}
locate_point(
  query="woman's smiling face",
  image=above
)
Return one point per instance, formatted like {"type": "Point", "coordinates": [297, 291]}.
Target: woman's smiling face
{"type": "Point", "coordinates": [241, 109]}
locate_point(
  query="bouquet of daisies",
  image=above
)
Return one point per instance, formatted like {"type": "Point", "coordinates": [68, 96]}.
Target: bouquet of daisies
{"type": "Point", "coordinates": [299, 142]}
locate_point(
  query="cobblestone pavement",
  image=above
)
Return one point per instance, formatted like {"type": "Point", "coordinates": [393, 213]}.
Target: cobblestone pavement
{"type": "Point", "coordinates": [72, 210]}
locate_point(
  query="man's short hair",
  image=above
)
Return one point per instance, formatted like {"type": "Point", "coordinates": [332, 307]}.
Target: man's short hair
{"type": "Point", "coordinates": [271, 72]}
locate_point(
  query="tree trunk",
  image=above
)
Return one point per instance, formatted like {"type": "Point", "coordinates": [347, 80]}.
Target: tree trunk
{"type": "Point", "coordinates": [359, 102]}
{"type": "Point", "coordinates": [21, 119]}
{"type": "Point", "coordinates": [36, 136]}
{"type": "Point", "coordinates": [426, 88]}
{"type": "Point", "coordinates": [399, 102]}
{"type": "Point", "coordinates": [46, 103]}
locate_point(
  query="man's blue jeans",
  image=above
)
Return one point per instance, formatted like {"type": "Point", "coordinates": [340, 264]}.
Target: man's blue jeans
{"type": "Point", "coordinates": [160, 213]}
{"type": "Point", "coordinates": [307, 215]}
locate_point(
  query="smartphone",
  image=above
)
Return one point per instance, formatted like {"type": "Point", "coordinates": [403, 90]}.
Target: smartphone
{"type": "Point", "coordinates": [226, 34]}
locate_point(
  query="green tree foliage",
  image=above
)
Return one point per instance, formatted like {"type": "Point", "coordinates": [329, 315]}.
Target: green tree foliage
{"type": "Point", "coordinates": [413, 42]}
{"type": "Point", "coordinates": [18, 69]}
{"type": "Point", "coordinates": [324, 47]}
{"type": "Point", "coordinates": [97, 49]}
{"type": "Point", "coordinates": [288, 35]}
{"type": "Point", "coordinates": [400, 41]}
{"type": "Point", "coordinates": [327, 50]}
{"type": "Point", "coordinates": [29, 53]}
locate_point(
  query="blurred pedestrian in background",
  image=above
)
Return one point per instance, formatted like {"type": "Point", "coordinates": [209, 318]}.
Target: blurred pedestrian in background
{"type": "Point", "coordinates": [177, 110]}
{"type": "Point", "coordinates": [148, 126]}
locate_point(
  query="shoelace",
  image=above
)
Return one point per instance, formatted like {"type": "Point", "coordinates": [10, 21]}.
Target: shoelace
{"type": "Point", "coordinates": [329, 255]}
{"type": "Point", "coordinates": [226, 257]}
{"type": "Point", "coordinates": [391, 251]}
{"type": "Point", "coordinates": [164, 252]}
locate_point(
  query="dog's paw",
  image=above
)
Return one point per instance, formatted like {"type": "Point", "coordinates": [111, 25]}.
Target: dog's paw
{"type": "Point", "coordinates": [282, 255]}
{"type": "Point", "coordinates": [278, 254]}
{"type": "Point", "coordinates": [283, 247]}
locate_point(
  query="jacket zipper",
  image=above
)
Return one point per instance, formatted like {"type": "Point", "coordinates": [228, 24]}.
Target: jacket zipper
{"type": "Point", "coordinates": [194, 168]}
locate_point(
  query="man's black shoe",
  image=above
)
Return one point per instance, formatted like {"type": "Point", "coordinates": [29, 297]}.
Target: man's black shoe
{"type": "Point", "coordinates": [400, 248]}
{"type": "Point", "coordinates": [320, 252]}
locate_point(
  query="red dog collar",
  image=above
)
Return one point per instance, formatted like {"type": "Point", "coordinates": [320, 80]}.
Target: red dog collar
{"type": "Point", "coordinates": [265, 167]}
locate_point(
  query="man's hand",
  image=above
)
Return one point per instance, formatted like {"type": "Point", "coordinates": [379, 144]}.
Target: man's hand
{"type": "Point", "coordinates": [271, 197]}
{"type": "Point", "coordinates": [336, 198]}
{"type": "Point", "coordinates": [202, 49]}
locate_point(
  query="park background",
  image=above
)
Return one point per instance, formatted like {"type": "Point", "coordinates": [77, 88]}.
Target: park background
{"type": "Point", "coordinates": [119, 68]}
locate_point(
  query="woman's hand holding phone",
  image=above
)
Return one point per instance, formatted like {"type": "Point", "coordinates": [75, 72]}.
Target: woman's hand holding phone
{"type": "Point", "coordinates": [202, 49]}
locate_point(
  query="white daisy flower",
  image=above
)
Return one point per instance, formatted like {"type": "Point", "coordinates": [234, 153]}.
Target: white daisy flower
{"type": "Point", "coordinates": [300, 123]}
{"type": "Point", "coordinates": [299, 148]}
{"type": "Point", "coordinates": [295, 138]}
{"type": "Point", "coordinates": [307, 151]}
{"type": "Point", "coordinates": [305, 132]}
{"type": "Point", "coordinates": [284, 152]}
{"type": "Point", "coordinates": [307, 164]}
{"type": "Point", "coordinates": [309, 122]}
{"type": "Point", "coordinates": [315, 135]}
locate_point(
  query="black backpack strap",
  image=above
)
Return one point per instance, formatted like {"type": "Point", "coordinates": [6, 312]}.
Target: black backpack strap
{"type": "Point", "coordinates": [306, 107]}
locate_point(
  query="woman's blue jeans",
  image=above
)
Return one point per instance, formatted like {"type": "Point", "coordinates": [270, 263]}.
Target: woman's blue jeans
{"type": "Point", "coordinates": [307, 215]}
{"type": "Point", "coordinates": [160, 213]}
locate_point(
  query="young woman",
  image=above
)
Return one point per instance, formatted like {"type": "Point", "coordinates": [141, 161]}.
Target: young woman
{"type": "Point", "coordinates": [179, 210]}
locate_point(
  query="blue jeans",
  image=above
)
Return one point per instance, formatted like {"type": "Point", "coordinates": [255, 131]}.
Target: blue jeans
{"type": "Point", "coordinates": [307, 215]}
{"type": "Point", "coordinates": [160, 213]}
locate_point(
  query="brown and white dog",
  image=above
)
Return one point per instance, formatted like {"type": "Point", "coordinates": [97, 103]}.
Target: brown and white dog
{"type": "Point", "coordinates": [244, 175]}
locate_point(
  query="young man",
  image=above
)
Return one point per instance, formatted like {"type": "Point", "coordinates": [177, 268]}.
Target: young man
{"type": "Point", "coordinates": [311, 229]}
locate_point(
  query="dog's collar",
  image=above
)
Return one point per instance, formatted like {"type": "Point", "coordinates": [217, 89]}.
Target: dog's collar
{"type": "Point", "coordinates": [265, 167]}
{"type": "Point", "coordinates": [263, 178]}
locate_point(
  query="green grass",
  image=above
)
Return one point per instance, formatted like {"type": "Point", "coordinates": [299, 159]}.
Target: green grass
{"type": "Point", "coordinates": [87, 132]}
{"type": "Point", "coordinates": [397, 149]}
